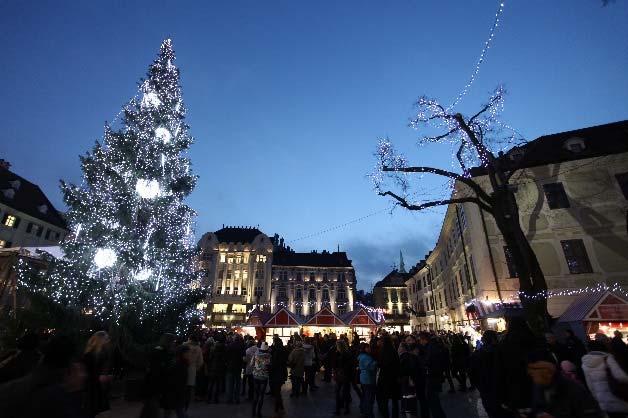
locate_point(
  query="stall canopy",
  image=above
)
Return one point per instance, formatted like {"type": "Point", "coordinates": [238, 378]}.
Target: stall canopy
{"type": "Point", "coordinates": [599, 307]}
{"type": "Point", "coordinates": [326, 318]}
{"type": "Point", "coordinates": [482, 310]}
{"type": "Point", "coordinates": [257, 318]}
{"type": "Point", "coordinates": [359, 318]}
{"type": "Point", "coordinates": [283, 318]}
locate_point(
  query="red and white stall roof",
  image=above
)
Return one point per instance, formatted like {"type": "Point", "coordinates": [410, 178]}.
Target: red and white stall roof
{"type": "Point", "coordinates": [283, 318]}
{"type": "Point", "coordinates": [360, 318]}
{"type": "Point", "coordinates": [325, 317]}
{"type": "Point", "coordinates": [597, 307]}
{"type": "Point", "coordinates": [257, 318]}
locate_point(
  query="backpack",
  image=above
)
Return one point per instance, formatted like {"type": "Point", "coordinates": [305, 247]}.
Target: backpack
{"type": "Point", "coordinates": [618, 388]}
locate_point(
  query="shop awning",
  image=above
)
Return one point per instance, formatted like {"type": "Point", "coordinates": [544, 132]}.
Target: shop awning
{"type": "Point", "coordinates": [599, 306]}
{"type": "Point", "coordinates": [325, 317]}
{"type": "Point", "coordinates": [482, 310]}
{"type": "Point", "coordinates": [283, 318]}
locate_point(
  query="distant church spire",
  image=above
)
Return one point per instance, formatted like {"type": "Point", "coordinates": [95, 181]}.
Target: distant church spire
{"type": "Point", "coordinates": [402, 266]}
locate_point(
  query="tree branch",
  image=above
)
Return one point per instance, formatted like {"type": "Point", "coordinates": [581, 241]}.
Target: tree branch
{"type": "Point", "coordinates": [404, 203]}
{"type": "Point", "coordinates": [465, 180]}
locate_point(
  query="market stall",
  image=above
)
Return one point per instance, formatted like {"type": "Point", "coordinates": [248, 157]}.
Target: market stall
{"type": "Point", "coordinates": [599, 312]}
{"type": "Point", "coordinates": [255, 324]}
{"type": "Point", "coordinates": [325, 322]}
{"type": "Point", "coordinates": [492, 315]}
{"type": "Point", "coordinates": [284, 324]}
{"type": "Point", "coordinates": [361, 322]}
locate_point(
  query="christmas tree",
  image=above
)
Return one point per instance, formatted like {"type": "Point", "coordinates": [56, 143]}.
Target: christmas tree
{"type": "Point", "coordinates": [129, 258]}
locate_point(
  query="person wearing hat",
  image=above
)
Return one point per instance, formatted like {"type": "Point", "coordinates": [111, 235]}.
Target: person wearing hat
{"type": "Point", "coordinates": [261, 371]}
{"type": "Point", "coordinates": [554, 396]}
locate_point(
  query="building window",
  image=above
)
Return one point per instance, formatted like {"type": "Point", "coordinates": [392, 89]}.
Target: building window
{"type": "Point", "coordinates": [576, 256]}
{"type": "Point", "coordinates": [245, 274]}
{"type": "Point", "coordinates": [298, 310]}
{"type": "Point", "coordinates": [228, 290]}
{"type": "Point", "coordinates": [555, 195]}
{"type": "Point", "coordinates": [57, 235]}
{"type": "Point", "coordinates": [11, 221]}
{"type": "Point", "coordinates": [223, 257]}
{"type": "Point", "coordinates": [324, 277]}
{"type": "Point", "coordinates": [342, 295]}
{"type": "Point", "coordinates": [341, 277]}
{"type": "Point", "coordinates": [312, 295]}
{"type": "Point", "coordinates": [261, 258]}
{"type": "Point", "coordinates": [283, 275]}
{"type": "Point", "coordinates": [229, 275]}
{"type": "Point", "coordinates": [259, 291]}
{"type": "Point", "coordinates": [298, 294]}
{"type": "Point", "coordinates": [299, 277]}
{"type": "Point", "coordinates": [230, 260]}
{"type": "Point", "coordinates": [281, 292]}
{"type": "Point", "coordinates": [244, 292]}
{"type": "Point", "coordinates": [312, 277]}
{"type": "Point", "coordinates": [4, 244]}
{"type": "Point", "coordinates": [622, 179]}
{"type": "Point", "coordinates": [237, 274]}
{"type": "Point", "coordinates": [510, 262]}
{"type": "Point", "coordinates": [238, 259]}
{"type": "Point", "coordinates": [259, 274]}
{"type": "Point", "coordinates": [325, 295]}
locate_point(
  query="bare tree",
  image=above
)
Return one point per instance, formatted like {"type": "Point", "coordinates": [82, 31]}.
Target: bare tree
{"type": "Point", "coordinates": [476, 140]}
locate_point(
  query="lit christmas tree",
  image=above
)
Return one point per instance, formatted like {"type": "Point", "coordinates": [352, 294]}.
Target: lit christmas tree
{"type": "Point", "coordinates": [129, 258]}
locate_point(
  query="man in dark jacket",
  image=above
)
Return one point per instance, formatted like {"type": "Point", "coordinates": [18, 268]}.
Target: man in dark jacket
{"type": "Point", "coordinates": [216, 368]}
{"type": "Point", "coordinates": [234, 361]}
{"type": "Point", "coordinates": [557, 397]}
{"type": "Point", "coordinates": [160, 362]}
{"type": "Point", "coordinates": [483, 374]}
{"type": "Point", "coordinates": [434, 359]}
{"type": "Point", "coordinates": [278, 372]}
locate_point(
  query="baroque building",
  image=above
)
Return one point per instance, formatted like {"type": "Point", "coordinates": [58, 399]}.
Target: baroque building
{"type": "Point", "coordinates": [391, 295]}
{"type": "Point", "coordinates": [244, 268]}
{"type": "Point", "coordinates": [572, 193]}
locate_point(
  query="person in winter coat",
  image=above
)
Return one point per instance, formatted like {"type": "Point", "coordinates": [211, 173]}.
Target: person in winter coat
{"type": "Point", "coordinates": [460, 353]}
{"type": "Point", "coordinates": [160, 361]}
{"type": "Point", "coordinates": [343, 373]}
{"type": "Point", "coordinates": [176, 388]}
{"type": "Point", "coordinates": [409, 370]}
{"type": "Point", "coordinates": [216, 369]}
{"type": "Point", "coordinates": [296, 361]}
{"type": "Point", "coordinates": [261, 373]}
{"type": "Point", "coordinates": [278, 372]}
{"type": "Point", "coordinates": [21, 362]}
{"type": "Point", "coordinates": [248, 369]}
{"type": "Point", "coordinates": [597, 366]}
{"type": "Point", "coordinates": [555, 396]}
{"type": "Point", "coordinates": [234, 355]}
{"type": "Point", "coordinates": [482, 374]}
{"type": "Point", "coordinates": [388, 381]}
{"type": "Point", "coordinates": [196, 362]}
{"type": "Point", "coordinates": [368, 374]}
{"type": "Point", "coordinates": [514, 387]}
{"type": "Point", "coordinates": [97, 360]}
{"type": "Point", "coordinates": [434, 357]}
{"type": "Point", "coordinates": [309, 364]}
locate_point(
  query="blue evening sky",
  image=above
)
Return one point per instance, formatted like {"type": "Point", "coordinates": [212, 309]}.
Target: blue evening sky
{"type": "Point", "coordinates": [286, 99]}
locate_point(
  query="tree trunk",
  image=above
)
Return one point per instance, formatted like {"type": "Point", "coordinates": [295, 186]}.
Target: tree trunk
{"type": "Point", "coordinates": [531, 278]}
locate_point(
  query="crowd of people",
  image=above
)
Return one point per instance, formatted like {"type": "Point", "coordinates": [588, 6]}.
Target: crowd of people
{"type": "Point", "coordinates": [516, 373]}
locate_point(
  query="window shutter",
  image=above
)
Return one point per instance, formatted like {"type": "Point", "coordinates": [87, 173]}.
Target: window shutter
{"type": "Point", "coordinates": [4, 218]}
{"type": "Point", "coordinates": [16, 223]}
{"type": "Point", "coordinates": [29, 228]}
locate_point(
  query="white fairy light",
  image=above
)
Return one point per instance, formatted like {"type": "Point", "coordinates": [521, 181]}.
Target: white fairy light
{"type": "Point", "coordinates": [150, 99]}
{"type": "Point", "coordinates": [147, 189]}
{"type": "Point", "coordinates": [105, 257]}
{"type": "Point", "coordinates": [163, 134]}
{"type": "Point", "coordinates": [143, 274]}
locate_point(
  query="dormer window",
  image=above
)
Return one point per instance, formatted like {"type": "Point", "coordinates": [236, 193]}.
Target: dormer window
{"type": "Point", "coordinates": [575, 145]}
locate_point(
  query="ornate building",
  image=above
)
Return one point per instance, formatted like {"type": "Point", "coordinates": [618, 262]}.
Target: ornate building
{"type": "Point", "coordinates": [236, 264]}
{"type": "Point", "coordinates": [306, 282]}
{"type": "Point", "coordinates": [245, 269]}
{"type": "Point", "coordinates": [391, 294]}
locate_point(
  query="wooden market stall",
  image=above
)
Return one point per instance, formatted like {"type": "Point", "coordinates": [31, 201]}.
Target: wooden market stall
{"type": "Point", "coordinates": [284, 324]}
{"type": "Point", "coordinates": [362, 323]}
{"type": "Point", "coordinates": [599, 312]}
{"type": "Point", "coordinates": [325, 322]}
{"type": "Point", "coordinates": [256, 324]}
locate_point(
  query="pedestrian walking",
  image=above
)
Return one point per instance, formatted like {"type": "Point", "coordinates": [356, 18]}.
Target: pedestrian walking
{"type": "Point", "coordinates": [434, 358]}
{"type": "Point", "coordinates": [160, 361]}
{"type": "Point", "coordinates": [388, 389]}
{"type": "Point", "coordinates": [483, 374]}
{"type": "Point", "coordinates": [409, 369]}
{"type": "Point", "coordinates": [296, 361]}
{"type": "Point", "coordinates": [310, 365]}
{"type": "Point", "coordinates": [176, 388]}
{"type": "Point", "coordinates": [261, 372]}
{"type": "Point", "coordinates": [368, 374]}
{"type": "Point", "coordinates": [97, 360]}
{"type": "Point", "coordinates": [344, 368]}
{"type": "Point", "coordinates": [234, 355]}
{"type": "Point", "coordinates": [216, 369]}
{"type": "Point", "coordinates": [196, 362]}
{"type": "Point", "coordinates": [278, 372]}
{"type": "Point", "coordinates": [247, 384]}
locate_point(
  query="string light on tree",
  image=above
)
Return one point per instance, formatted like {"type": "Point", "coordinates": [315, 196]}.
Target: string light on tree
{"type": "Point", "coordinates": [147, 189]}
{"type": "Point", "coordinates": [163, 134]}
{"type": "Point", "coordinates": [105, 257]}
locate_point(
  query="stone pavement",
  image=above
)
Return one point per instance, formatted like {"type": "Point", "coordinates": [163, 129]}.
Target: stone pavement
{"type": "Point", "coordinates": [316, 404]}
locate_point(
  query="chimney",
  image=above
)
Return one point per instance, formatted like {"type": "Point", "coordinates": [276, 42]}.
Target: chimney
{"type": "Point", "coordinates": [4, 164]}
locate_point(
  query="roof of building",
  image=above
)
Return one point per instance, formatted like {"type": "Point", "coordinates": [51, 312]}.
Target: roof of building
{"type": "Point", "coordinates": [314, 259]}
{"type": "Point", "coordinates": [611, 138]}
{"type": "Point", "coordinates": [583, 305]}
{"type": "Point", "coordinates": [237, 234]}
{"type": "Point", "coordinates": [394, 278]}
{"type": "Point", "coordinates": [26, 197]}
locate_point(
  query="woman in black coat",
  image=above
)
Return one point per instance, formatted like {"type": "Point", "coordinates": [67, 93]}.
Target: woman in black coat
{"type": "Point", "coordinates": [388, 387]}
{"type": "Point", "coordinates": [97, 360]}
{"type": "Point", "coordinates": [278, 372]}
{"type": "Point", "coordinates": [176, 384]}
